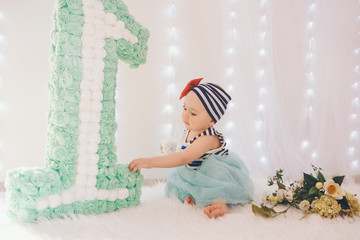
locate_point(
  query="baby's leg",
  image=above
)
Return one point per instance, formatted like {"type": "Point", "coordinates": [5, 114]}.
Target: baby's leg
{"type": "Point", "coordinates": [216, 210]}
{"type": "Point", "coordinates": [189, 200]}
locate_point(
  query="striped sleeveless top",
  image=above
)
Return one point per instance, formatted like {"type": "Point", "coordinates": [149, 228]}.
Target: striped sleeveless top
{"type": "Point", "coordinates": [221, 151]}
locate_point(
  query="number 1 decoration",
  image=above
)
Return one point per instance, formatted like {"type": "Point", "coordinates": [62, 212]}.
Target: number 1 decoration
{"type": "Point", "coordinates": [81, 174]}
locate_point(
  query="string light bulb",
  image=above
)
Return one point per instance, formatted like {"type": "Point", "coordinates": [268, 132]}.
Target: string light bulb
{"type": "Point", "coordinates": [169, 108]}
{"type": "Point", "coordinates": [262, 35]}
{"type": "Point", "coordinates": [310, 92]}
{"type": "Point", "coordinates": [262, 52]}
{"type": "Point", "coordinates": [355, 164]}
{"type": "Point", "coordinates": [230, 51]}
{"type": "Point", "coordinates": [173, 50]}
{"type": "Point", "coordinates": [312, 7]}
{"type": "Point", "coordinates": [351, 150]}
{"type": "Point", "coordinates": [262, 91]}
{"type": "Point", "coordinates": [170, 70]}
{"type": "Point", "coordinates": [356, 101]}
{"type": "Point", "coordinates": [229, 125]}
{"type": "Point", "coordinates": [261, 107]}
{"type": "Point", "coordinates": [355, 85]}
{"type": "Point", "coordinates": [230, 71]}
{"type": "Point", "coordinates": [354, 135]}
{"type": "Point", "coordinates": [263, 19]}
{"type": "Point", "coordinates": [305, 144]}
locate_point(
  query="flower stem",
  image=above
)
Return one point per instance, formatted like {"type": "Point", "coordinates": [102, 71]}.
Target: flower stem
{"type": "Point", "coordinates": [283, 212]}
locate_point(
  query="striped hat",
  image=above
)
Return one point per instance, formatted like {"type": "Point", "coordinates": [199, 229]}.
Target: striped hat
{"type": "Point", "coordinates": [213, 97]}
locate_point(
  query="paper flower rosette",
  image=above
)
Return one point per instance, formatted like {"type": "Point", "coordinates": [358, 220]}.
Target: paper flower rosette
{"type": "Point", "coordinates": [312, 193]}
{"type": "Point", "coordinates": [81, 174]}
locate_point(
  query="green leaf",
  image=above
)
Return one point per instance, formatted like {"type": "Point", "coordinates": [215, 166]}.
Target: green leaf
{"type": "Point", "coordinates": [344, 203]}
{"type": "Point", "coordinates": [308, 179]}
{"type": "Point", "coordinates": [263, 211]}
{"type": "Point", "coordinates": [339, 179]}
{"type": "Point", "coordinates": [268, 209]}
{"type": "Point", "coordinates": [321, 177]}
{"type": "Point", "coordinates": [279, 175]}
{"type": "Point", "coordinates": [270, 182]}
{"type": "Point", "coordinates": [313, 190]}
{"type": "Point", "coordinates": [319, 194]}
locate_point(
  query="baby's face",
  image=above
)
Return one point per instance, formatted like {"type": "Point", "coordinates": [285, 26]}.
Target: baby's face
{"type": "Point", "coordinates": [194, 115]}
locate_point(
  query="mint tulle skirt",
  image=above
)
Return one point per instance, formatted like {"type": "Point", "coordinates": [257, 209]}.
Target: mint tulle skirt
{"type": "Point", "coordinates": [219, 179]}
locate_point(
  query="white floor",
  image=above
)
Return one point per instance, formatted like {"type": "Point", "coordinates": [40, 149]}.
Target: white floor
{"type": "Point", "coordinates": [161, 218]}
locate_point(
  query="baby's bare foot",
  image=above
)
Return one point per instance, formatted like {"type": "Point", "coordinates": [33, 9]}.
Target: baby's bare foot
{"type": "Point", "coordinates": [189, 200]}
{"type": "Point", "coordinates": [216, 210]}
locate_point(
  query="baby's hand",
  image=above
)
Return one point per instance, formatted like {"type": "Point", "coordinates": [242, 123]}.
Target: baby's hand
{"type": "Point", "coordinates": [138, 164]}
{"type": "Point", "coordinates": [161, 149]}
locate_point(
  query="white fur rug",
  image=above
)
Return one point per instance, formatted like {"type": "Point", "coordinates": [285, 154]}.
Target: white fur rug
{"type": "Point", "coordinates": [161, 218]}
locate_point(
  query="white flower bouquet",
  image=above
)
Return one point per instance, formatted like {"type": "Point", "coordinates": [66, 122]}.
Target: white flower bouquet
{"type": "Point", "coordinates": [311, 194]}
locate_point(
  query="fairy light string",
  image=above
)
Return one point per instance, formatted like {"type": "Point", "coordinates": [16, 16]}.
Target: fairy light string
{"type": "Point", "coordinates": [354, 134]}
{"type": "Point", "coordinates": [261, 79]}
{"type": "Point", "coordinates": [173, 51]}
{"type": "Point", "coordinates": [307, 148]}
{"type": "Point", "coordinates": [230, 71]}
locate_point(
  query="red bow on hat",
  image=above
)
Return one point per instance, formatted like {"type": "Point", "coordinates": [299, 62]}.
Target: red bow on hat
{"type": "Point", "coordinates": [193, 83]}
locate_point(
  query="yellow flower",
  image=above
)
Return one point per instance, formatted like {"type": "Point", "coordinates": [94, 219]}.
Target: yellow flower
{"type": "Point", "coordinates": [326, 206]}
{"type": "Point", "coordinates": [333, 189]}
{"type": "Point", "coordinates": [319, 185]}
{"type": "Point", "coordinates": [354, 205]}
{"type": "Point", "coordinates": [273, 199]}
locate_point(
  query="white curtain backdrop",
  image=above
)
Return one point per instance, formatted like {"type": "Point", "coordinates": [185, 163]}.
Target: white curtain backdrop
{"type": "Point", "coordinates": [291, 67]}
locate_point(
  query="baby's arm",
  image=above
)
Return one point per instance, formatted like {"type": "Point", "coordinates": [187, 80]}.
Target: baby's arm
{"type": "Point", "coordinates": [191, 153]}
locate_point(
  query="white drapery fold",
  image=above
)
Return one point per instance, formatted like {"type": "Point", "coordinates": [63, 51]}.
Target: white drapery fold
{"type": "Point", "coordinates": [294, 86]}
